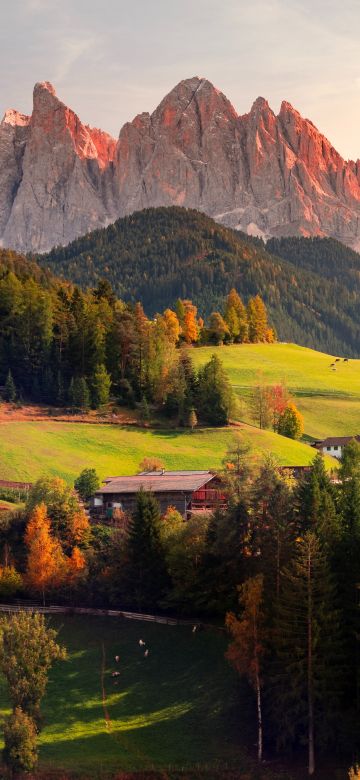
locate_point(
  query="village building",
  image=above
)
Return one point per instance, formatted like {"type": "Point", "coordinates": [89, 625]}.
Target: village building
{"type": "Point", "coordinates": [187, 491]}
{"type": "Point", "coordinates": [334, 445]}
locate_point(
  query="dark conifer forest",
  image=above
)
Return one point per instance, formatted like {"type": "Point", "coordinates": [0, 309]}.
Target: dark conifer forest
{"type": "Point", "coordinates": [159, 255]}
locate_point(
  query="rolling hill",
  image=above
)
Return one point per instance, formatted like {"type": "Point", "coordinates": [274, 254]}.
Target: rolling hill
{"type": "Point", "coordinates": [327, 389]}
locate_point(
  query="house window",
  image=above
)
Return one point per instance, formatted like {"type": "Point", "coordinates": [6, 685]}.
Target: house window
{"type": "Point", "coordinates": [328, 448]}
{"type": "Point", "coordinates": [336, 447]}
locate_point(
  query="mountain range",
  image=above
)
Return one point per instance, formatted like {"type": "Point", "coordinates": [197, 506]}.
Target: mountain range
{"type": "Point", "coordinates": [265, 174]}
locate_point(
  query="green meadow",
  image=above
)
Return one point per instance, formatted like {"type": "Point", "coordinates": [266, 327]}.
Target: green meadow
{"type": "Point", "coordinates": [329, 399]}
{"type": "Point", "coordinates": [31, 449]}
{"type": "Point", "coordinates": [179, 707]}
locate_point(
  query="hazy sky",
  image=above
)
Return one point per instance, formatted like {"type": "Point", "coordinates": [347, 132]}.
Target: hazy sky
{"type": "Point", "coordinates": [112, 59]}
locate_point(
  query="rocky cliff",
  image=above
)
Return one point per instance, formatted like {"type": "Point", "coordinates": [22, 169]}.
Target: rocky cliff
{"type": "Point", "coordinates": [265, 174]}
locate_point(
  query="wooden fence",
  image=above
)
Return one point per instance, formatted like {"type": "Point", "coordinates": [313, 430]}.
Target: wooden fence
{"type": "Point", "coordinates": [34, 606]}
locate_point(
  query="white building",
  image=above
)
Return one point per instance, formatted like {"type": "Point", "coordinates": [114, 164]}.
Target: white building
{"type": "Point", "coordinates": [334, 445]}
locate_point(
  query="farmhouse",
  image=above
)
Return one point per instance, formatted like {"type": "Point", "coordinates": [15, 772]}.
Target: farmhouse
{"type": "Point", "coordinates": [334, 445]}
{"type": "Point", "coordinates": [187, 491]}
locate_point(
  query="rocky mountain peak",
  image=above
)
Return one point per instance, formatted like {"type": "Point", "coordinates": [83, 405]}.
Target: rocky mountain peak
{"type": "Point", "coordinates": [15, 118]}
{"type": "Point", "coordinates": [264, 174]}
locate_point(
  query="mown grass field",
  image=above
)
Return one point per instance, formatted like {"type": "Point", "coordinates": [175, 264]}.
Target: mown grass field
{"type": "Point", "coordinates": [182, 706]}
{"type": "Point", "coordinates": [31, 449]}
{"type": "Point", "coordinates": [328, 399]}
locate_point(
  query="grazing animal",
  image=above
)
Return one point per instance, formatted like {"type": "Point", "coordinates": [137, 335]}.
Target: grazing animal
{"type": "Point", "coordinates": [346, 360]}
{"type": "Point", "coordinates": [146, 653]}
{"type": "Point", "coordinates": [334, 369]}
{"type": "Point", "coordinates": [115, 674]}
{"type": "Point", "coordinates": [337, 360]}
{"type": "Point", "coordinates": [117, 658]}
{"type": "Point", "coordinates": [142, 643]}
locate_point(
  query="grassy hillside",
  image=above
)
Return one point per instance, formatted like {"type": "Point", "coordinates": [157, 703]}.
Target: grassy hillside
{"type": "Point", "coordinates": [328, 399]}
{"type": "Point", "coordinates": [163, 712]}
{"type": "Point", "coordinates": [31, 449]}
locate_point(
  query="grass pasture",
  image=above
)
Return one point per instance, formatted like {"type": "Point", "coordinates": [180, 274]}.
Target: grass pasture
{"type": "Point", "coordinates": [329, 399]}
{"type": "Point", "coordinates": [31, 449]}
{"type": "Point", "coordinates": [177, 708]}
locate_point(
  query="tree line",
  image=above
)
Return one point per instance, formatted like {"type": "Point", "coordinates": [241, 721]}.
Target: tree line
{"type": "Point", "coordinates": [281, 565]}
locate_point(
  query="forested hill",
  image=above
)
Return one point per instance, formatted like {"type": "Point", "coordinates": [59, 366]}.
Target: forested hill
{"type": "Point", "coordinates": [158, 255]}
{"type": "Point", "coordinates": [324, 256]}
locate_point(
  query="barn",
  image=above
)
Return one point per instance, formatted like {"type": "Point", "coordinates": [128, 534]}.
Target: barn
{"type": "Point", "coordinates": [187, 491]}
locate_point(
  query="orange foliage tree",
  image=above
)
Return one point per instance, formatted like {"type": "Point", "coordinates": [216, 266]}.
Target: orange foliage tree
{"type": "Point", "coordinates": [46, 564]}
{"type": "Point", "coordinates": [247, 648]}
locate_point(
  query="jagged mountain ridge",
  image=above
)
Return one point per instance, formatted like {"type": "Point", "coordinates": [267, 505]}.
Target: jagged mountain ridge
{"type": "Point", "coordinates": [264, 174]}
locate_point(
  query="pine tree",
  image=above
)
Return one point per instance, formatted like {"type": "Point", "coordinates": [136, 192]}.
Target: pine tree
{"type": "Point", "coordinates": [146, 564]}
{"type": "Point", "coordinates": [308, 658]}
{"type": "Point", "coordinates": [79, 393]}
{"type": "Point", "coordinates": [10, 392]}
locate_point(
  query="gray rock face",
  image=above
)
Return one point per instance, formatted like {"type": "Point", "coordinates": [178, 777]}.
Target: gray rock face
{"type": "Point", "coordinates": [265, 174]}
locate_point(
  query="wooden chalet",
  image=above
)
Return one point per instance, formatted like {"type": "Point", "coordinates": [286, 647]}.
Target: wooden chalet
{"type": "Point", "coordinates": [186, 491]}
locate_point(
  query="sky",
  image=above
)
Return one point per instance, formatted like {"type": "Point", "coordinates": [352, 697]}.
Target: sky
{"type": "Point", "coordinates": [112, 59]}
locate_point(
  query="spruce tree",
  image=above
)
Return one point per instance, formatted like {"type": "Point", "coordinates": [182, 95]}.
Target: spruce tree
{"type": "Point", "coordinates": [9, 389]}
{"type": "Point", "coordinates": [79, 393]}
{"type": "Point", "coordinates": [215, 395]}
{"type": "Point", "coordinates": [100, 387]}
{"type": "Point", "coordinates": [146, 563]}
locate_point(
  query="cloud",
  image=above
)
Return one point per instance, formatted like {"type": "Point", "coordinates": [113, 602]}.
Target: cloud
{"type": "Point", "coordinates": [70, 51]}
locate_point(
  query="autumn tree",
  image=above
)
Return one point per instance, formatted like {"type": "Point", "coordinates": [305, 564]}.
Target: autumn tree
{"type": "Point", "coordinates": [260, 404]}
{"type": "Point", "coordinates": [218, 328]}
{"type": "Point", "coordinates": [69, 523]}
{"type": "Point", "coordinates": [192, 420]}
{"type": "Point", "coordinates": [247, 649]}
{"type": "Point", "coordinates": [172, 325]}
{"type": "Point", "coordinates": [45, 565]}
{"type": "Point", "coordinates": [190, 328]}
{"type": "Point", "coordinates": [28, 649]}
{"type": "Point", "coordinates": [10, 581]}
{"type": "Point", "coordinates": [151, 464]}
{"type": "Point", "coordinates": [257, 319]}
{"type": "Point", "coordinates": [235, 316]}
{"type": "Point", "coordinates": [291, 422]}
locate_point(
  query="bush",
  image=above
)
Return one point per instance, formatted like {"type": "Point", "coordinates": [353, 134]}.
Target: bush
{"type": "Point", "coordinates": [20, 751]}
